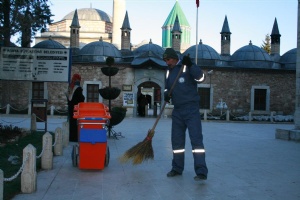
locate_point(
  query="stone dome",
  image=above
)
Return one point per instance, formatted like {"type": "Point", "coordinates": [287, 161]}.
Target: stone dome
{"type": "Point", "coordinates": [49, 44]}
{"type": "Point", "coordinates": [89, 14]}
{"type": "Point", "coordinates": [251, 56]}
{"type": "Point", "coordinates": [98, 52]}
{"type": "Point", "coordinates": [206, 55]}
{"type": "Point", "coordinates": [288, 59]}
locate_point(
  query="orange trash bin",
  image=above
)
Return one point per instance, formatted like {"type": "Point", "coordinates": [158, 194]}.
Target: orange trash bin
{"type": "Point", "coordinates": [92, 151]}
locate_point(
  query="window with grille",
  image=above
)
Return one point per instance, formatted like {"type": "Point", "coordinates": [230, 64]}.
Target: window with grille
{"type": "Point", "coordinates": [204, 97]}
{"type": "Point", "coordinates": [37, 90]}
{"type": "Point", "coordinates": [92, 93]}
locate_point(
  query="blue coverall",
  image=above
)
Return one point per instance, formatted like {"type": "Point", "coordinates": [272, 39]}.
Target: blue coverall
{"type": "Point", "coordinates": [186, 115]}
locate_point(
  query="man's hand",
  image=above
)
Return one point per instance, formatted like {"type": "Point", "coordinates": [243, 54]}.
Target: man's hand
{"type": "Point", "coordinates": [187, 61]}
{"type": "Point", "coordinates": [167, 97]}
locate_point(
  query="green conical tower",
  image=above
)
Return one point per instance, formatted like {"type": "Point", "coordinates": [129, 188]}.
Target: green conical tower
{"type": "Point", "coordinates": [168, 27]}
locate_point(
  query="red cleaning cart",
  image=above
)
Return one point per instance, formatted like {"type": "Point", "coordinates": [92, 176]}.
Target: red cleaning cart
{"type": "Point", "coordinates": [92, 151]}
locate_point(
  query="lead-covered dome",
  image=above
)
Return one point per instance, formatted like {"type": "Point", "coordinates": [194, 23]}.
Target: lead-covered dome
{"type": "Point", "coordinates": [49, 44]}
{"type": "Point", "coordinates": [149, 53]}
{"type": "Point", "coordinates": [89, 14]}
{"type": "Point", "coordinates": [206, 55]}
{"type": "Point", "coordinates": [288, 59]}
{"type": "Point", "coordinates": [98, 52]}
{"type": "Point", "coordinates": [251, 56]}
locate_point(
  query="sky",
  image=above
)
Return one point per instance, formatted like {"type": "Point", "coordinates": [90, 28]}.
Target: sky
{"type": "Point", "coordinates": [247, 19]}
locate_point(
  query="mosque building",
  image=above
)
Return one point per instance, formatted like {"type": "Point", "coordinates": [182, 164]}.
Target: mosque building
{"type": "Point", "coordinates": [247, 80]}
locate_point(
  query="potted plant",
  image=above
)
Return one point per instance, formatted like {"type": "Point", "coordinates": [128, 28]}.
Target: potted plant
{"type": "Point", "coordinates": [110, 71]}
{"type": "Point", "coordinates": [117, 115]}
{"type": "Point", "coordinates": [110, 92]}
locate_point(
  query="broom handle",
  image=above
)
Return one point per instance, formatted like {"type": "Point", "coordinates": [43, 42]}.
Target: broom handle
{"type": "Point", "coordinates": [164, 105]}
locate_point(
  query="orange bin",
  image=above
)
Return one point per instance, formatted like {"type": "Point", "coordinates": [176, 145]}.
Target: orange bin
{"type": "Point", "coordinates": [93, 151]}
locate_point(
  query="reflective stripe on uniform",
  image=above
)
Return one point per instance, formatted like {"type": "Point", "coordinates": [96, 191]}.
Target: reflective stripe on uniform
{"type": "Point", "coordinates": [179, 151]}
{"type": "Point", "coordinates": [198, 151]}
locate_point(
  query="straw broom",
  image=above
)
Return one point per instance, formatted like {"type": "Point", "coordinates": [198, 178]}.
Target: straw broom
{"type": "Point", "coordinates": [143, 150]}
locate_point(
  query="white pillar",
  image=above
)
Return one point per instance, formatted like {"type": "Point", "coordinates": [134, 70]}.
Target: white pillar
{"type": "Point", "coordinates": [205, 115]}
{"type": "Point", "coordinates": [227, 115]}
{"type": "Point", "coordinates": [7, 109]}
{"type": "Point", "coordinates": [47, 157]}
{"type": "Point", "coordinates": [33, 122]}
{"type": "Point", "coordinates": [58, 147]}
{"type": "Point", "coordinates": [65, 132]}
{"type": "Point", "coordinates": [28, 176]}
{"type": "Point", "coordinates": [52, 107]}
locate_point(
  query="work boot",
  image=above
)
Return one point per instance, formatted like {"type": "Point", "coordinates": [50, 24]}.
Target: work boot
{"type": "Point", "coordinates": [173, 173]}
{"type": "Point", "coordinates": [200, 177]}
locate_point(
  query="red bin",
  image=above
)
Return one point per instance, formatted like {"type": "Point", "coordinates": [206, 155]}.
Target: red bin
{"type": "Point", "coordinates": [92, 152]}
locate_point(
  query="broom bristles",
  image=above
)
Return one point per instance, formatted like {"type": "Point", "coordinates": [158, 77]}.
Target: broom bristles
{"type": "Point", "coordinates": [141, 151]}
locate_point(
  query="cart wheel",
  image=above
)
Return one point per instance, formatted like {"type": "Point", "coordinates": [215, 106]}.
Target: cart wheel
{"type": "Point", "coordinates": [75, 155]}
{"type": "Point", "coordinates": [107, 157]}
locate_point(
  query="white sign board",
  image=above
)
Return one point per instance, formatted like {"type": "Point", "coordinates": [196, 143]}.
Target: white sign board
{"type": "Point", "coordinates": [32, 64]}
{"type": "Point", "coordinates": [128, 98]}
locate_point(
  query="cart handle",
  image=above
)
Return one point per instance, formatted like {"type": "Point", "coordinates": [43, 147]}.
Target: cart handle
{"type": "Point", "coordinates": [92, 118]}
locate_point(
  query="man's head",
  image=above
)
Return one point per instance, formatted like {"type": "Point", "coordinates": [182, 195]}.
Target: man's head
{"type": "Point", "coordinates": [170, 57]}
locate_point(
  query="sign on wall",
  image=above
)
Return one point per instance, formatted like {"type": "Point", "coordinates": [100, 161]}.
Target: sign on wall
{"type": "Point", "coordinates": [128, 99]}
{"type": "Point", "coordinates": [30, 64]}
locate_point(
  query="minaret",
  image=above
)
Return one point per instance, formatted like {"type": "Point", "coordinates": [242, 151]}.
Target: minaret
{"type": "Point", "coordinates": [119, 10]}
{"type": "Point", "coordinates": [74, 33]}
{"type": "Point", "coordinates": [275, 39]}
{"type": "Point", "coordinates": [176, 35]}
{"type": "Point", "coordinates": [125, 38]}
{"type": "Point", "coordinates": [225, 38]}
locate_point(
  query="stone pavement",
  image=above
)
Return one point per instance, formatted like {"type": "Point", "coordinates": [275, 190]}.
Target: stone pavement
{"type": "Point", "coordinates": [244, 160]}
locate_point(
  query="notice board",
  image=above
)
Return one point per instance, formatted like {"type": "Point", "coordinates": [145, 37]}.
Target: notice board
{"type": "Point", "coordinates": [33, 64]}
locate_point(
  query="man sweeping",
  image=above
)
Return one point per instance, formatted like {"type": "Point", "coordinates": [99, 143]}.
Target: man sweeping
{"type": "Point", "coordinates": [185, 115]}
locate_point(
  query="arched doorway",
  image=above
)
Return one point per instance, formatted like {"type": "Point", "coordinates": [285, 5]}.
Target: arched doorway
{"type": "Point", "coordinates": [148, 99]}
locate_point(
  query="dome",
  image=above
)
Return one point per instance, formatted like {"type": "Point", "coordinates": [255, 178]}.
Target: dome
{"type": "Point", "coordinates": [150, 47]}
{"type": "Point", "coordinates": [206, 55]}
{"type": "Point", "coordinates": [49, 44]}
{"type": "Point", "coordinates": [288, 60]}
{"type": "Point", "coordinates": [150, 54]}
{"type": "Point", "coordinates": [89, 14]}
{"type": "Point", "coordinates": [251, 56]}
{"type": "Point", "coordinates": [98, 52]}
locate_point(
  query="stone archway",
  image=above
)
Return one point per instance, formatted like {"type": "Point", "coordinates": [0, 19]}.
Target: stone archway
{"type": "Point", "coordinates": [154, 88]}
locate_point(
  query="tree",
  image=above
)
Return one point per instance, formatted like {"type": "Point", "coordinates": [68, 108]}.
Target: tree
{"type": "Point", "coordinates": [266, 44]}
{"type": "Point", "coordinates": [23, 17]}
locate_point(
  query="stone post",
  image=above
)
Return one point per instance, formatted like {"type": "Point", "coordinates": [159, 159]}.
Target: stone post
{"type": "Point", "coordinates": [28, 176]}
{"type": "Point", "coordinates": [7, 109]}
{"type": "Point", "coordinates": [52, 107]}
{"type": "Point", "coordinates": [227, 115]}
{"type": "Point", "coordinates": [29, 109]}
{"type": "Point", "coordinates": [58, 147]}
{"type": "Point", "coordinates": [47, 156]}
{"type": "Point", "coordinates": [33, 122]}
{"type": "Point", "coordinates": [1, 184]}
{"type": "Point", "coordinates": [205, 115]}
{"type": "Point", "coordinates": [65, 130]}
